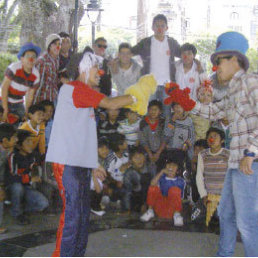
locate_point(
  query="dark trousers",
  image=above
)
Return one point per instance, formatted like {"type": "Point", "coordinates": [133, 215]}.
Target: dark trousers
{"type": "Point", "coordinates": [95, 199]}
{"type": "Point", "coordinates": [74, 187]}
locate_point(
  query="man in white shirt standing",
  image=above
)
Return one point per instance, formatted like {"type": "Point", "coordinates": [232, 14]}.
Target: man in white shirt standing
{"type": "Point", "coordinates": [188, 71]}
{"type": "Point", "coordinates": [158, 55]}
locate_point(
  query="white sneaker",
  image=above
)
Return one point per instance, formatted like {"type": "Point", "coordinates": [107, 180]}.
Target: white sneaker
{"type": "Point", "coordinates": [149, 214]}
{"type": "Point", "coordinates": [98, 213]}
{"type": "Point", "coordinates": [178, 220]}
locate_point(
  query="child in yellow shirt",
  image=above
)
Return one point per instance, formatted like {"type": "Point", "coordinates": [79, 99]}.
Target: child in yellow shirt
{"type": "Point", "coordinates": [36, 126]}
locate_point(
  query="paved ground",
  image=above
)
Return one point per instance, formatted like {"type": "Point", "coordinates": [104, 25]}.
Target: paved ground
{"type": "Point", "coordinates": [127, 242]}
{"type": "Point", "coordinates": [115, 235]}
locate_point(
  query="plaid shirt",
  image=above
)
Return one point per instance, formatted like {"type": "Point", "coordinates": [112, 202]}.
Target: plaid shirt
{"type": "Point", "coordinates": [240, 107]}
{"type": "Point", "coordinates": [48, 68]}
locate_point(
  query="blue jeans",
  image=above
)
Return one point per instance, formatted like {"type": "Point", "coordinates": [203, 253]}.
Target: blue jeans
{"type": "Point", "coordinates": [34, 200]}
{"type": "Point", "coordinates": [161, 95]}
{"type": "Point", "coordinates": [75, 223]}
{"type": "Point", "coordinates": [238, 210]}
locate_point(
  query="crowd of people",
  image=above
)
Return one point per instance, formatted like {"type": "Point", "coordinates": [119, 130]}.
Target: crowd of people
{"type": "Point", "coordinates": [178, 152]}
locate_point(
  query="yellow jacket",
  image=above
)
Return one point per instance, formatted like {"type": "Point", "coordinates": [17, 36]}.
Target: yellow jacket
{"type": "Point", "coordinates": [38, 135]}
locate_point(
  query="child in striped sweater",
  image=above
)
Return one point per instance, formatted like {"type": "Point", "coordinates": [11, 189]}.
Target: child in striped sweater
{"type": "Point", "coordinates": [211, 169]}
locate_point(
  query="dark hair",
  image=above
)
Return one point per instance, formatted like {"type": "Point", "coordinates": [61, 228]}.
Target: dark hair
{"type": "Point", "coordinates": [36, 107]}
{"type": "Point", "coordinates": [124, 45]}
{"type": "Point", "coordinates": [160, 17]}
{"type": "Point", "coordinates": [176, 156]}
{"type": "Point", "coordinates": [52, 42]}
{"type": "Point", "coordinates": [216, 130]}
{"type": "Point", "coordinates": [22, 136]}
{"type": "Point", "coordinates": [174, 103]}
{"type": "Point", "coordinates": [115, 140]}
{"type": "Point", "coordinates": [72, 66]}
{"type": "Point", "coordinates": [47, 102]}
{"type": "Point", "coordinates": [136, 150]}
{"type": "Point", "coordinates": [201, 143]}
{"type": "Point", "coordinates": [188, 46]}
{"type": "Point", "coordinates": [100, 39]}
{"type": "Point", "coordinates": [6, 131]}
{"type": "Point", "coordinates": [64, 35]}
{"type": "Point", "coordinates": [155, 102]}
{"type": "Point", "coordinates": [241, 63]}
{"type": "Point", "coordinates": [87, 49]}
{"type": "Point", "coordinates": [103, 141]}
{"type": "Point", "coordinates": [1, 109]}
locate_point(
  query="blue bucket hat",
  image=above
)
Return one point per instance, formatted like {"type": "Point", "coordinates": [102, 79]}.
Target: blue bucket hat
{"type": "Point", "coordinates": [28, 47]}
{"type": "Point", "coordinates": [232, 43]}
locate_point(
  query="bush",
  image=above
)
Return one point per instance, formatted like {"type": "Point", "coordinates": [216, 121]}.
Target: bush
{"type": "Point", "coordinates": [5, 60]}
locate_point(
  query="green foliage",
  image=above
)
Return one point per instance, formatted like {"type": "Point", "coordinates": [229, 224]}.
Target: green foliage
{"type": "Point", "coordinates": [5, 60]}
{"type": "Point", "coordinates": [252, 55]}
{"type": "Point", "coordinates": [114, 38]}
{"type": "Point", "coordinates": [205, 47]}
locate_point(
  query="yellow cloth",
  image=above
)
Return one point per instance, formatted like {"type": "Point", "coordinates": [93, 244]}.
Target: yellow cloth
{"type": "Point", "coordinates": [142, 90]}
{"type": "Point", "coordinates": [38, 136]}
{"type": "Point", "coordinates": [212, 204]}
{"type": "Point", "coordinates": [201, 126]}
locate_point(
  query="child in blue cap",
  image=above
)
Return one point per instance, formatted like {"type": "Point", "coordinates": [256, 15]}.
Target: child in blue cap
{"type": "Point", "coordinates": [238, 207]}
{"type": "Point", "coordinates": [21, 79]}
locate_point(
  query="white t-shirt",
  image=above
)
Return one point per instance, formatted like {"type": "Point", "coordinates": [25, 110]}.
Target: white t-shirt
{"type": "Point", "coordinates": [73, 139]}
{"type": "Point", "coordinates": [114, 163]}
{"type": "Point", "coordinates": [192, 79]}
{"type": "Point", "coordinates": [159, 64]}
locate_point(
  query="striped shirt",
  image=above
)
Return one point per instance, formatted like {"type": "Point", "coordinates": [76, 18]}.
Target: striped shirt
{"type": "Point", "coordinates": [211, 171]}
{"type": "Point", "coordinates": [21, 82]}
{"type": "Point", "coordinates": [240, 107]}
{"type": "Point", "coordinates": [130, 131]}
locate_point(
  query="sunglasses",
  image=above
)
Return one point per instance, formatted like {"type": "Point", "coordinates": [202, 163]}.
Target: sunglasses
{"type": "Point", "coordinates": [218, 60]}
{"type": "Point", "coordinates": [101, 46]}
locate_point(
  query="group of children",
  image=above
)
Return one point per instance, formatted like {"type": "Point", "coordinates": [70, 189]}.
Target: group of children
{"type": "Point", "coordinates": [153, 163]}
{"type": "Point", "coordinates": [150, 160]}
{"type": "Point", "coordinates": [23, 153]}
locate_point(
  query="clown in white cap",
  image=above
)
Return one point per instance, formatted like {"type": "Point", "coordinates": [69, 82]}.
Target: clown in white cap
{"type": "Point", "coordinates": [238, 207]}
{"type": "Point", "coordinates": [73, 147]}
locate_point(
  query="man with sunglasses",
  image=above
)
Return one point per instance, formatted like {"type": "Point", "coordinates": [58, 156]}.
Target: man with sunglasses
{"type": "Point", "coordinates": [105, 84]}
{"type": "Point", "coordinates": [238, 208]}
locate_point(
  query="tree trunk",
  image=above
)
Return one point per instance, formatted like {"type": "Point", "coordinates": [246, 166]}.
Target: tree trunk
{"type": "Point", "coordinates": [141, 19]}
{"type": "Point", "coordinates": [5, 23]}
{"type": "Point", "coordinates": [43, 17]}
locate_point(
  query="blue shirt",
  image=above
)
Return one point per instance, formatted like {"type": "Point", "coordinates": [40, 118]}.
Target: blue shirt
{"type": "Point", "coordinates": [165, 183]}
